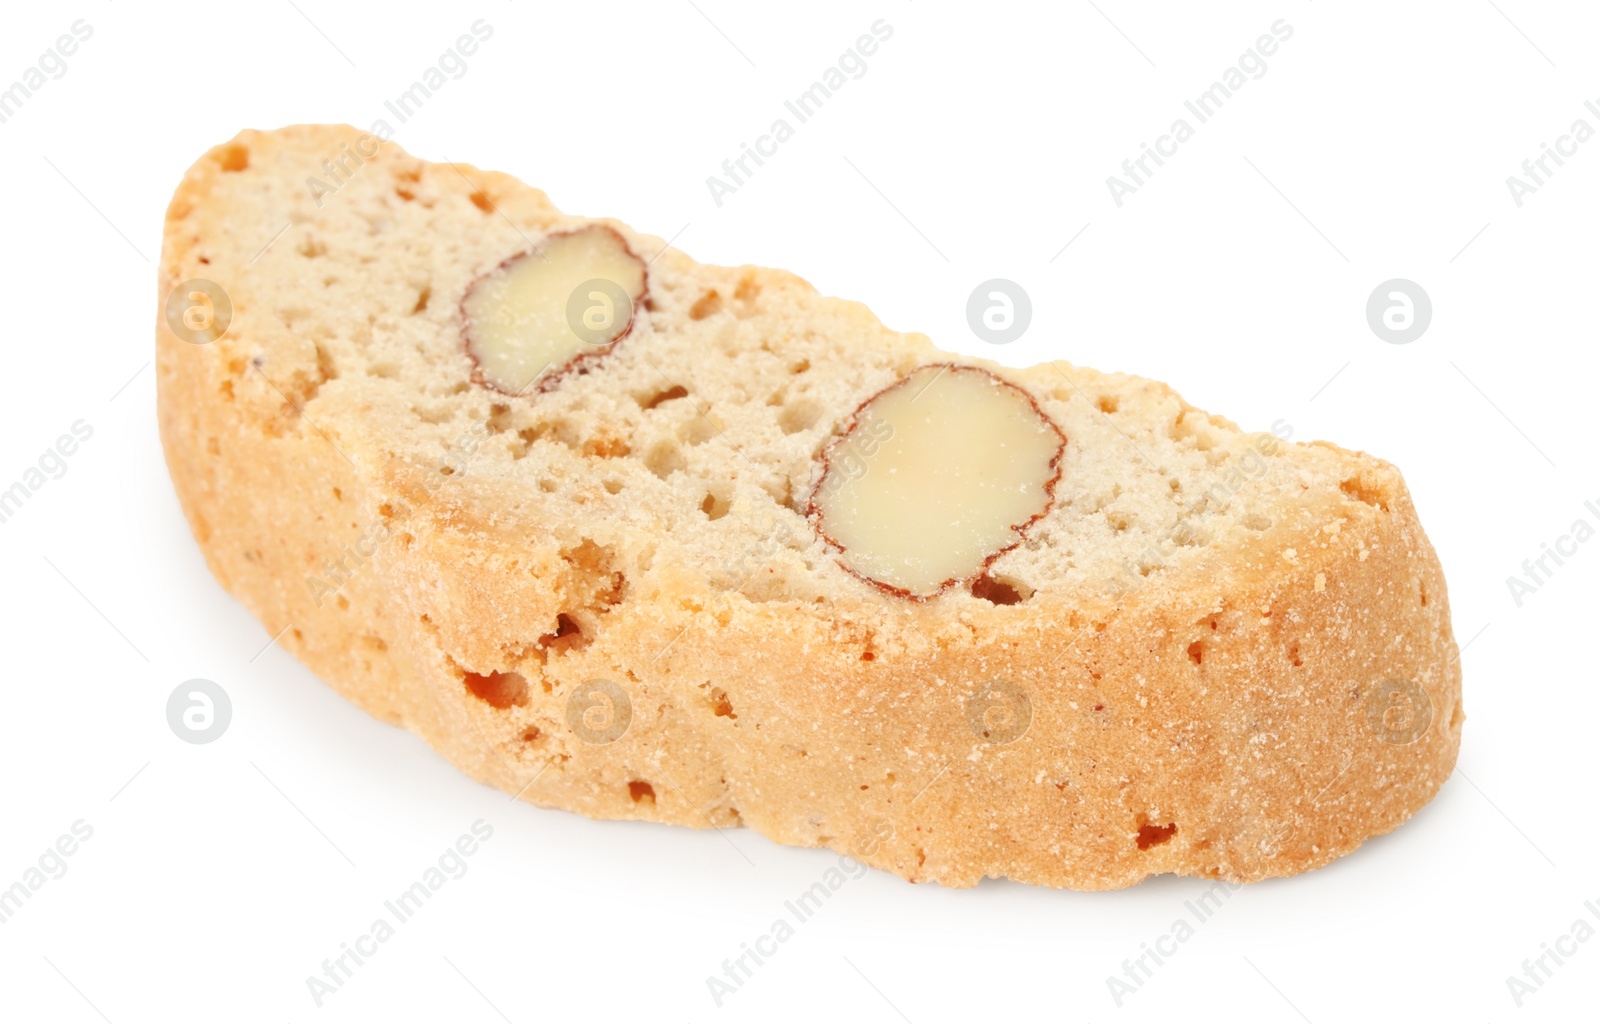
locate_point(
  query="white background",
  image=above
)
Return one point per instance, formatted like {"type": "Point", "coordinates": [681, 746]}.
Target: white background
{"type": "Point", "coordinates": [976, 146]}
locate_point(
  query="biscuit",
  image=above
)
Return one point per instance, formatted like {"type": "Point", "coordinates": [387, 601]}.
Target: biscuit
{"type": "Point", "coordinates": [1205, 651]}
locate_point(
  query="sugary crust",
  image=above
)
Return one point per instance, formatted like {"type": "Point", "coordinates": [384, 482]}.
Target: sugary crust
{"type": "Point", "coordinates": [1233, 699]}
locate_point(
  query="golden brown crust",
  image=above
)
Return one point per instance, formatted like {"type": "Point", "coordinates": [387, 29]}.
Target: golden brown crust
{"type": "Point", "coordinates": [1223, 718]}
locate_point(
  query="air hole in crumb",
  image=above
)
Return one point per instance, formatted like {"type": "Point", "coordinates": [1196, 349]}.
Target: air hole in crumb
{"type": "Point", "coordinates": [1107, 403]}
{"type": "Point", "coordinates": [798, 416]}
{"type": "Point", "coordinates": [746, 294]}
{"type": "Point", "coordinates": [641, 790]}
{"type": "Point", "coordinates": [1000, 590]}
{"type": "Point", "coordinates": [311, 248]}
{"type": "Point", "coordinates": [235, 158]}
{"type": "Point", "coordinates": [721, 706]}
{"type": "Point", "coordinates": [664, 459]}
{"type": "Point", "coordinates": [1196, 652]}
{"type": "Point", "coordinates": [499, 690]}
{"type": "Point", "coordinates": [706, 305]}
{"type": "Point", "coordinates": [606, 447]}
{"type": "Point", "coordinates": [698, 430]}
{"type": "Point", "coordinates": [1294, 656]}
{"type": "Point", "coordinates": [715, 506]}
{"type": "Point", "coordinates": [674, 392]}
{"type": "Point", "coordinates": [566, 637]}
{"type": "Point", "coordinates": [422, 299]}
{"type": "Point", "coordinates": [500, 419]}
{"type": "Point", "coordinates": [481, 201]}
{"type": "Point", "coordinates": [612, 486]}
{"type": "Point", "coordinates": [1155, 835]}
{"type": "Point", "coordinates": [801, 367]}
{"type": "Point", "coordinates": [1255, 521]}
{"type": "Point", "coordinates": [548, 486]}
{"type": "Point", "coordinates": [1357, 488]}
{"type": "Point", "coordinates": [531, 734]}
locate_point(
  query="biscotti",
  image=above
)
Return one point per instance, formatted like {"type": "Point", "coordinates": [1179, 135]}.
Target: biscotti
{"type": "Point", "coordinates": [637, 537]}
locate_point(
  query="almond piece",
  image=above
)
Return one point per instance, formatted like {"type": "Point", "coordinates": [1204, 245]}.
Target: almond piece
{"type": "Point", "coordinates": [934, 477]}
{"type": "Point", "coordinates": [541, 313]}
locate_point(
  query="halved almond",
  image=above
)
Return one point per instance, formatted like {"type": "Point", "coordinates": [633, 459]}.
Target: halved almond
{"type": "Point", "coordinates": [541, 313]}
{"type": "Point", "coordinates": [935, 476]}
